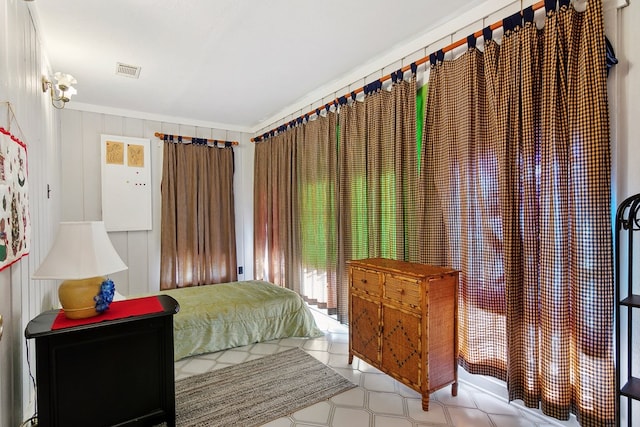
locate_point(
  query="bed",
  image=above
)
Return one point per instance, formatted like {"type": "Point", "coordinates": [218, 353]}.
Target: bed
{"type": "Point", "coordinates": [226, 315]}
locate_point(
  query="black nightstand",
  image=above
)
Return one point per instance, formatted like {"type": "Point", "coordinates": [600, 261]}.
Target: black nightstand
{"type": "Point", "coordinates": [115, 372]}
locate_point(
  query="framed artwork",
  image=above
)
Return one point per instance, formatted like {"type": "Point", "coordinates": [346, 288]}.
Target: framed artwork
{"type": "Point", "coordinates": [15, 226]}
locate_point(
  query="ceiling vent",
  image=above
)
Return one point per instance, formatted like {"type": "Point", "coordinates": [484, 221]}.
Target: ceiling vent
{"type": "Point", "coordinates": [127, 70]}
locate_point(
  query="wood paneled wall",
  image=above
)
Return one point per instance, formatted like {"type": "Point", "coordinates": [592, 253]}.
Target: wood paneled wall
{"type": "Point", "coordinates": [27, 113]}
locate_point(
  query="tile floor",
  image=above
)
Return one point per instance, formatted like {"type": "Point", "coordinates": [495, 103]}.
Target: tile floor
{"type": "Point", "coordinates": [379, 401]}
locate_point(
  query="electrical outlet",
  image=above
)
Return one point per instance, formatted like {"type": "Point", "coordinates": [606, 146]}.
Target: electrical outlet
{"type": "Point", "coordinates": [241, 270]}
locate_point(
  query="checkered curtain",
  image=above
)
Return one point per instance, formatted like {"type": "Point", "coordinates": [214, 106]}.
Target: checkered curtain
{"type": "Point", "coordinates": [294, 210]}
{"type": "Point", "coordinates": [316, 217]}
{"type": "Point", "coordinates": [516, 194]}
{"type": "Point", "coordinates": [462, 224]}
{"type": "Point", "coordinates": [276, 244]}
{"type": "Point", "coordinates": [377, 188]}
{"type": "Point", "coordinates": [198, 241]}
{"type": "Point", "coordinates": [318, 204]}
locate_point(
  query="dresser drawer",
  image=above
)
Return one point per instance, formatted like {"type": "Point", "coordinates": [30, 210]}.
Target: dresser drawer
{"type": "Point", "coordinates": [366, 280]}
{"type": "Point", "coordinates": [402, 290]}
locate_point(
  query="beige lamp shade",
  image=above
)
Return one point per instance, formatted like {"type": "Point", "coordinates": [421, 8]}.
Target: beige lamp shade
{"type": "Point", "coordinates": [81, 255]}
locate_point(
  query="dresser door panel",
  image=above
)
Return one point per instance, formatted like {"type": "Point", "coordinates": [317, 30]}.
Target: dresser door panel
{"type": "Point", "coordinates": [365, 327]}
{"type": "Point", "coordinates": [401, 336]}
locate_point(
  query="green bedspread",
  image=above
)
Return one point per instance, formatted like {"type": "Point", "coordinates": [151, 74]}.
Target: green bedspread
{"type": "Point", "coordinates": [221, 316]}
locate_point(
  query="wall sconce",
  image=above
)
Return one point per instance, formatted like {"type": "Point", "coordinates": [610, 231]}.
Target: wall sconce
{"type": "Point", "coordinates": [62, 91]}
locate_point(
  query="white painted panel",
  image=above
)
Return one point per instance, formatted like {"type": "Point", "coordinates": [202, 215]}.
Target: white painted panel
{"type": "Point", "coordinates": [112, 125]}
{"type": "Point", "coordinates": [138, 241]}
{"type": "Point", "coordinates": [6, 354]}
{"type": "Point", "coordinates": [134, 127]}
{"type": "Point", "coordinates": [139, 264]}
{"type": "Point", "coordinates": [90, 144]}
{"type": "Point", "coordinates": [126, 183]}
{"type": "Point", "coordinates": [170, 129]}
{"type": "Point", "coordinates": [72, 191]}
{"type": "Point", "coordinates": [121, 278]}
{"type": "Point", "coordinates": [624, 90]}
{"type": "Point", "coordinates": [243, 197]}
{"type": "Point", "coordinates": [187, 130]}
{"type": "Point", "coordinates": [153, 237]}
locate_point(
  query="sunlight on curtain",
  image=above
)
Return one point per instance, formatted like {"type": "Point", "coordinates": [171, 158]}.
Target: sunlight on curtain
{"type": "Point", "coordinates": [462, 223]}
{"type": "Point", "coordinates": [516, 194]}
{"type": "Point", "coordinates": [198, 242]}
{"type": "Point", "coordinates": [316, 211]}
{"type": "Point", "coordinates": [378, 180]}
{"type": "Point", "coordinates": [276, 245]}
{"type": "Point", "coordinates": [295, 212]}
{"type": "Point", "coordinates": [511, 187]}
{"type": "Point", "coordinates": [307, 223]}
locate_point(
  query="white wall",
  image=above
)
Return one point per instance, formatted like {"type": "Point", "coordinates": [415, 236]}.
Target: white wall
{"type": "Point", "coordinates": [140, 250]}
{"type": "Point", "coordinates": [27, 113]}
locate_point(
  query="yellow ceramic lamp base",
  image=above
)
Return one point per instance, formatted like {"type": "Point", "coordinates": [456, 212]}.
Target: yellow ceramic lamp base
{"type": "Point", "coordinates": [77, 297]}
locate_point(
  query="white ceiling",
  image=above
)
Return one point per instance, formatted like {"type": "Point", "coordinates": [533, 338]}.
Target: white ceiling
{"type": "Point", "coordinates": [237, 63]}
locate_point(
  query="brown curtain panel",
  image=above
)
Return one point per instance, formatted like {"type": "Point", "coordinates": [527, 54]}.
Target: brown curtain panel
{"type": "Point", "coordinates": [276, 243]}
{"type": "Point", "coordinates": [316, 211]}
{"type": "Point", "coordinates": [318, 203]}
{"type": "Point", "coordinates": [462, 225]}
{"type": "Point", "coordinates": [198, 242]}
{"type": "Point", "coordinates": [516, 169]}
{"type": "Point", "coordinates": [378, 180]}
{"type": "Point", "coordinates": [294, 210]}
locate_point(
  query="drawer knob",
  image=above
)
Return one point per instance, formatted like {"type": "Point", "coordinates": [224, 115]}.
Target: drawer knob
{"type": "Point", "coordinates": [363, 280]}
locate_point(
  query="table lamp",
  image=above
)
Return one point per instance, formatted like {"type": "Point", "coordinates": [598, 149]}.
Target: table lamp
{"type": "Point", "coordinates": [82, 255]}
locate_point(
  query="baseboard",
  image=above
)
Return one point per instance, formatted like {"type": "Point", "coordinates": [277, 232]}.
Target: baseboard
{"type": "Point", "coordinates": [498, 389]}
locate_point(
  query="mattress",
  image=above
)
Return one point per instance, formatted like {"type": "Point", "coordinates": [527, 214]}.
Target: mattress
{"type": "Point", "coordinates": [221, 316]}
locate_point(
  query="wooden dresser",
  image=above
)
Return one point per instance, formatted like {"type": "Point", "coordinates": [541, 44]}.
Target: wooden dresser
{"type": "Point", "coordinates": [403, 321]}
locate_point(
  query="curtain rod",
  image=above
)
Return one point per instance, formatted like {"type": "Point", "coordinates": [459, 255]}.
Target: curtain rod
{"type": "Point", "coordinates": [429, 58]}
{"type": "Point", "coordinates": [180, 138]}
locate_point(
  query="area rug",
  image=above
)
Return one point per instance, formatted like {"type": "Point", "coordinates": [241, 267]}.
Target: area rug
{"type": "Point", "coordinates": [257, 391]}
